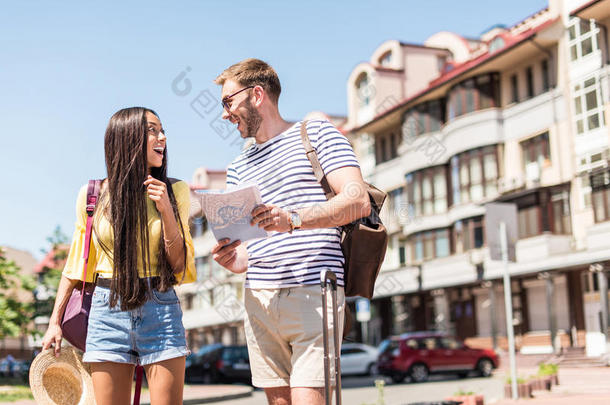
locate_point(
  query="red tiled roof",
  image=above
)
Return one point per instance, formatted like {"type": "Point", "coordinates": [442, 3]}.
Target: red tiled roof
{"type": "Point", "coordinates": [49, 260]}
{"type": "Point", "coordinates": [465, 67]}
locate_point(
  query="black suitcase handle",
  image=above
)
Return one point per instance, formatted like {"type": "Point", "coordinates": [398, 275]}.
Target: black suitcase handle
{"type": "Point", "coordinates": [328, 277]}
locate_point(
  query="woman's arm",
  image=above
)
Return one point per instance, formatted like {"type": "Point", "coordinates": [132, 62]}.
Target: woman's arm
{"type": "Point", "coordinates": [53, 334]}
{"type": "Point", "coordinates": [172, 237]}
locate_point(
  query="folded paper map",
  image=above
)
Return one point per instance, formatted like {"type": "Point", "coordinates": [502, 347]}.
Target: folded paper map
{"type": "Point", "coordinates": [229, 212]}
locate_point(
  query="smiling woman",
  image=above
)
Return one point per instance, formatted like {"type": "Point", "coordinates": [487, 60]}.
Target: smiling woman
{"type": "Point", "coordinates": [141, 247]}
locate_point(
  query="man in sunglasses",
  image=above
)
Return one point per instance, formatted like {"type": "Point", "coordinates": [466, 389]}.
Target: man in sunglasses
{"type": "Point", "coordinates": [283, 321]}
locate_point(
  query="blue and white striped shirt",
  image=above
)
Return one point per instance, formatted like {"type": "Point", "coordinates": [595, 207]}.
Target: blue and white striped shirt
{"type": "Point", "coordinates": [285, 178]}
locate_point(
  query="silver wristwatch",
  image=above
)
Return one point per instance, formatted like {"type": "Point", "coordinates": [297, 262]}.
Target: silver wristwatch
{"type": "Point", "coordinates": [295, 221]}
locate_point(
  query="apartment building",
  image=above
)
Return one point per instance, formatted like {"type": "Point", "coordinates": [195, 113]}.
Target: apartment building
{"type": "Point", "coordinates": [517, 115]}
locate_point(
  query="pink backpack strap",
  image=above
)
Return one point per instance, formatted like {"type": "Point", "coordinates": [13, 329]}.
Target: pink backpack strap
{"type": "Point", "coordinates": [138, 390]}
{"type": "Point", "coordinates": [93, 193]}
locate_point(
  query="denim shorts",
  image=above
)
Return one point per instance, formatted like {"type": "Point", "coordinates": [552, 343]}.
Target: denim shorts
{"type": "Point", "coordinates": [145, 335]}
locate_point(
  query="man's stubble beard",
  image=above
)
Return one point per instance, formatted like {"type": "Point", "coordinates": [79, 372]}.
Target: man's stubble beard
{"type": "Point", "coordinates": [252, 120]}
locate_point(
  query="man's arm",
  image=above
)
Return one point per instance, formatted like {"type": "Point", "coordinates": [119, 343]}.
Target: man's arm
{"type": "Point", "coordinates": [351, 202]}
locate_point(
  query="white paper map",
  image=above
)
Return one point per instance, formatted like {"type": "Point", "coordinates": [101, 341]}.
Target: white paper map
{"type": "Point", "coordinates": [229, 212]}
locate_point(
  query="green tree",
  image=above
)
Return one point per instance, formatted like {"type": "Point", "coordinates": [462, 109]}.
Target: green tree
{"type": "Point", "coordinates": [50, 276]}
{"type": "Point", "coordinates": [15, 314]}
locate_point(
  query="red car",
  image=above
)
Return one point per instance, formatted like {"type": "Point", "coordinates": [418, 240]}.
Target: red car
{"type": "Point", "coordinates": [419, 354]}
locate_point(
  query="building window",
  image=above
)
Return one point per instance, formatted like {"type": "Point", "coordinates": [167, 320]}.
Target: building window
{"type": "Point", "coordinates": [546, 80]}
{"type": "Point", "coordinates": [402, 256]}
{"type": "Point", "coordinates": [536, 150]}
{"type": "Point", "coordinates": [529, 222]}
{"type": "Point", "coordinates": [430, 245]}
{"type": "Point", "coordinates": [560, 205]}
{"type": "Point", "coordinates": [474, 175]}
{"type": "Point", "coordinates": [600, 185]}
{"type": "Point", "coordinates": [514, 89]}
{"type": "Point", "coordinates": [468, 234]}
{"type": "Point", "coordinates": [582, 38]}
{"type": "Point", "coordinates": [545, 210]}
{"type": "Point", "coordinates": [198, 226]}
{"type": "Point", "coordinates": [427, 191]}
{"type": "Point", "coordinates": [363, 90]}
{"type": "Point", "coordinates": [395, 202]}
{"type": "Point", "coordinates": [529, 80]}
{"type": "Point", "coordinates": [496, 44]}
{"type": "Point", "coordinates": [423, 118]}
{"type": "Point", "coordinates": [386, 146]}
{"type": "Point", "coordinates": [386, 59]}
{"type": "Point", "coordinates": [588, 106]}
{"type": "Point", "coordinates": [188, 301]}
{"type": "Point", "coordinates": [202, 265]}
{"type": "Point", "coordinates": [474, 94]}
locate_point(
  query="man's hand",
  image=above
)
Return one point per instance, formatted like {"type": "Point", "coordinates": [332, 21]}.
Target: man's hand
{"type": "Point", "coordinates": [271, 218]}
{"type": "Point", "coordinates": [231, 256]}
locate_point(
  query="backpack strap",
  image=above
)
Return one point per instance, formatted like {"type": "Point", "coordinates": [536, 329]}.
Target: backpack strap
{"type": "Point", "coordinates": [138, 390]}
{"type": "Point", "coordinates": [93, 193]}
{"type": "Point", "coordinates": [312, 155]}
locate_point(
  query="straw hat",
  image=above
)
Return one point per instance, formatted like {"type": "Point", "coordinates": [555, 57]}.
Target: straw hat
{"type": "Point", "coordinates": [63, 380]}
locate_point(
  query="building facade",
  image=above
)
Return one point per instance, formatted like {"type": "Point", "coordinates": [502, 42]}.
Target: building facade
{"type": "Point", "coordinates": [517, 115]}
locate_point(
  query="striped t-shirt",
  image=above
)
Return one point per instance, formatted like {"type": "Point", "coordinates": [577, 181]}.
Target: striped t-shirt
{"type": "Point", "coordinates": [285, 178]}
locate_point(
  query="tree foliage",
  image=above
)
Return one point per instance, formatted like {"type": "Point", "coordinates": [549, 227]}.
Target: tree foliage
{"type": "Point", "coordinates": [15, 313]}
{"type": "Point", "coordinates": [50, 276]}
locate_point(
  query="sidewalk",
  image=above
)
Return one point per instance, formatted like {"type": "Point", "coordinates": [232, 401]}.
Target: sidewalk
{"type": "Point", "coordinates": [193, 394]}
{"type": "Point", "coordinates": [582, 386]}
{"type": "Point", "coordinates": [205, 394]}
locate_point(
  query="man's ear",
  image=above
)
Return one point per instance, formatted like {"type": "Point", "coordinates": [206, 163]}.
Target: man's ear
{"type": "Point", "coordinates": [259, 95]}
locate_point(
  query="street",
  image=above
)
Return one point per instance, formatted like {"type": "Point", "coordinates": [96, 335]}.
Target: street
{"type": "Point", "coordinates": [361, 390]}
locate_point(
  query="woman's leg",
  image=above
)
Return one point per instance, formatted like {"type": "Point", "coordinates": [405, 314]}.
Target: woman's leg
{"type": "Point", "coordinates": [166, 381]}
{"type": "Point", "coordinates": [112, 382]}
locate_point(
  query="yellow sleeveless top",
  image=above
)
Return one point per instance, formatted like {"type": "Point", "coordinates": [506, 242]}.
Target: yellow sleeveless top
{"type": "Point", "coordinates": [100, 263]}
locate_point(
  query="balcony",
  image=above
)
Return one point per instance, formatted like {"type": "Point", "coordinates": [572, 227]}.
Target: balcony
{"type": "Point", "coordinates": [534, 115]}
{"type": "Point", "coordinates": [402, 281]}
{"type": "Point", "coordinates": [472, 130]}
{"type": "Point", "coordinates": [598, 236]}
{"type": "Point", "coordinates": [452, 270]}
{"type": "Point", "coordinates": [388, 175]}
{"type": "Point", "coordinates": [543, 246]}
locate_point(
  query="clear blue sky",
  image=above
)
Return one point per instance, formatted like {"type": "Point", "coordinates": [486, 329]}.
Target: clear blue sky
{"type": "Point", "coordinates": [66, 67]}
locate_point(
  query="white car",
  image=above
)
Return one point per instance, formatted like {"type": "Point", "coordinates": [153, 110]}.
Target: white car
{"type": "Point", "coordinates": [358, 358]}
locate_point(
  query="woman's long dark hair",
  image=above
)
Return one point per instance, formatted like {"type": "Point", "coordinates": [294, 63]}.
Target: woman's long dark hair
{"type": "Point", "coordinates": [124, 205]}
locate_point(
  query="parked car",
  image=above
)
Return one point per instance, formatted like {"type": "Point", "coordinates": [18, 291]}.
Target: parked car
{"type": "Point", "coordinates": [219, 363]}
{"type": "Point", "coordinates": [358, 358]}
{"type": "Point", "coordinates": [19, 368]}
{"type": "Point", "coordinates": [417, 355]}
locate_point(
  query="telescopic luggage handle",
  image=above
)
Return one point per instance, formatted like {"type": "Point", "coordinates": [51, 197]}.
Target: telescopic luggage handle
{"type": "Point", "coordinates": [329, 277]}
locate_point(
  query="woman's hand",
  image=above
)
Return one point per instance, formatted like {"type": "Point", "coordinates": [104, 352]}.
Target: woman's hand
{"type": "Point", "coordinates": [52, 337]}
{"type": "Point", "coordinates": [157, 191]}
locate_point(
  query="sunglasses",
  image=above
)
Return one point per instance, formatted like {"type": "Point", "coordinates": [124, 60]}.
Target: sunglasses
{"type": "Point", "coordinates": [227, 99]}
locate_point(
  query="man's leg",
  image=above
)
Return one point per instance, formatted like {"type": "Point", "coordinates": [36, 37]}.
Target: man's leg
{"type": "Point", "coordinates": [279, 396]}
{"type": "Point", "coordinates": [307, 396]}
{"type": "Point", "coordinates": [303, 327]}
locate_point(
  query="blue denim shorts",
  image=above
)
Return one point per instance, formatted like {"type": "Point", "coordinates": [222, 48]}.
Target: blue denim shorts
{"type": "Point", "coordinates": [145, 335]}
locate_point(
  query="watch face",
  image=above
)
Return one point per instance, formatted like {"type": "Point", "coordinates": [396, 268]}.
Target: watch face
{"type": "Point", "coordinates": [296, 220]}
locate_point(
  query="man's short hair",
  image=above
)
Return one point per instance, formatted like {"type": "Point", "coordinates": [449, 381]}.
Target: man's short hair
{"type": "Point", "coordinates": [253, 72]}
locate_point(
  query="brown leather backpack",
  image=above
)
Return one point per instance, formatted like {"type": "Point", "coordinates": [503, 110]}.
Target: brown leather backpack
{"type": "Point", "coordinates": [364, 241]}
